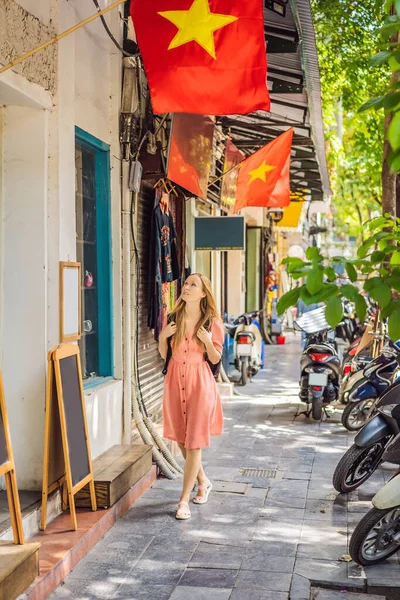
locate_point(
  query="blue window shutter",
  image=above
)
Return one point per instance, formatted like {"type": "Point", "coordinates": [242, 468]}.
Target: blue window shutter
{"type": "Point", "coordinates": [104, 249]}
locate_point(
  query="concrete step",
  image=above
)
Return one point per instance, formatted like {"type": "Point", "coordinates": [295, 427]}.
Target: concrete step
{"type": "Point", "coordinates": [115, 472]}
{"type": "Point", "coordinates": [323, 594]}
{"type": "Point", "coordinates": [19, 565]}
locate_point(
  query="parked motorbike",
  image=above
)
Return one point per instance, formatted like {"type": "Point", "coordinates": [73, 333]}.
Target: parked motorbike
{"type": "Point", "coordinates": [376, 378]}
{"type": "Point", "coordinates": [377, 535]}
{"type": "Point", "coordinates": [320, 364]}
{"type": "Point", "coordinates": [365, 455]}
{"type": "Point", "coordinates": [248, 345]}
{"type": "Point", "coordinates": [352, 374]}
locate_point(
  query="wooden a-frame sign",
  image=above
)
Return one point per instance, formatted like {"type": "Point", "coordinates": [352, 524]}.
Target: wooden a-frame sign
{"type": "Point", "coordinates": [7, 468]}
{"type": "Point", "coordinates": [67, 460]}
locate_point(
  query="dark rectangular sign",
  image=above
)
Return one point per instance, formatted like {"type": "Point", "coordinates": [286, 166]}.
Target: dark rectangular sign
{"type": "Point", "coordinates": [219, 233]}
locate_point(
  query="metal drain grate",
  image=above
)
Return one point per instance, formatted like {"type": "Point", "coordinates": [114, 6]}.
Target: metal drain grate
{"type": "Point", "coordinates": [263, 473]}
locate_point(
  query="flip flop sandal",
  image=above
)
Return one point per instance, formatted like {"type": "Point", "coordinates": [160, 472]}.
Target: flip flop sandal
{"type": "Point", "coordinates": [183, 514]}
{"type": "Point", "coordinates": [203, 499]}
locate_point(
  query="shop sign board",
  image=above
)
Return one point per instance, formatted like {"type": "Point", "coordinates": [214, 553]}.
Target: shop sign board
{"type": "Point", "coordinates": [219, 233]}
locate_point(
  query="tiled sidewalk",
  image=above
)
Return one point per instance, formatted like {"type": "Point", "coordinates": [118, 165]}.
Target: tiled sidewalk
{"type": "Point", "coordinates": [257, 538]}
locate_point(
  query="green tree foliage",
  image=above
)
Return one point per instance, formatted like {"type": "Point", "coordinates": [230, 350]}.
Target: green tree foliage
{"type": "Point", "coordinates": [347, 37]}
{"type": "Point", "coordinates": [375, 271]}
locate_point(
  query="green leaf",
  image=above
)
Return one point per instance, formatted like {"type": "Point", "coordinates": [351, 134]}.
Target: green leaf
{"type": "Point", "coordinates": [363, 249]}
{"type": "Point", "coordinates": [394, 326]}
{"type": "Point", "coordinates": [395, 164]}
{"type": "Point", "coordinates": [289, 299]}
{"type": "Point", "coordinates": [375, 103]}
{"type": "Point", "coordinates": [376, 223]}
{"type": "Point", "coordinates": [327, 291]}
{"type": "Point", "coordinates": [390, 308]}
{"type": "Point", "coordinates": [380, 59]}
{"type": "Point", "coordinates": [349, 291]}
{"type": "Point", "coordinates": [315, 280]}
{"type": "Point", "coordinates": [395, 260]}
{"type": "Point", "coordinates": [334, 311]}
{"type": "Point", "coordinates": [394, 280]}
{"type": "Point", "coordinates": [313, 253]}
{"type": "Point", "coordinates": [391, 100]}
{"type": "Point", "coordinates": [351, 272]}
{"type": "Point", "coordinates": [330, 273]}
{"type": "Point", "coordinates": [393, 132]}
{"type": "Point", "coordinates": [371, 283]}
{"type": "Point", "coordinates": [382, 294]}
{"type": "Point", "coordinates": [377, 256]}
{"type": "Point", "coordinates": [290, 260]}
{"type": "Point", "coordinates": [361, 307]}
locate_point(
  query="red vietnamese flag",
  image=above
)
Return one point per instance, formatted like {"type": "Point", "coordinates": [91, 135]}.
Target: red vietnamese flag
{"type": "Point", "coordinates": [264, 177]}
{"type": "Point", "coordinates": [203, 56]}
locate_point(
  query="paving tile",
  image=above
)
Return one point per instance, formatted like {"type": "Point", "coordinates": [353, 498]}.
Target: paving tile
{"type": "Point", "coordinates": [198, 593]}
{"type": "Point", "coordinates": [257, 559]}
{"type": "Point", "coordinates": [286, 502]}
{"type": "Point", "coordinates": [155, 573]}
{"type": "Point", "coordinates": [210, 578]}
{"type": "Point", "coordinates": [230, 487]}
{"type": "Point", "coordinates": [278, 582]}
{"type": "Point", "coordinates": [327, 572]}
{"type": "Point", "coordinates": [278, 513]}
{"type": "Point", "coordinates": [143, 592]}
{"type": "Point", "coordinates": [321, 594]}
{"type": "Point", "coordinates": [85, 590]}
{"type": "Point", "coordinates": [219, 557]}
{"type": "Point", "coordinates": [253, 594]}
{"type": "Point", "coordinates": [300, 588]}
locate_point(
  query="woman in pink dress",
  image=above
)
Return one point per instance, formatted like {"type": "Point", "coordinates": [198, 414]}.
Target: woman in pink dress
{"type": "Point", "coordinates": [192, 404]}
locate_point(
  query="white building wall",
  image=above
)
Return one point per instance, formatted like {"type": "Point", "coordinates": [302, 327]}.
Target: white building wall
{"type": "Point", "coordinates": [38, 220]}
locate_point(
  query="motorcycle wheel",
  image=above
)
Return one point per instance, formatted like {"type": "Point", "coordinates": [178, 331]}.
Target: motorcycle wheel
{"type": "Point", "coordinates": [244, 371]}
{"type": "Point", "coordinates": [316, 409]}
{"type": "Point", "coordinates": [356, 414]}
{"type": "Point", "coordinates": [356, 466]}
{"type": "Point", "coordinates": [376, 537]}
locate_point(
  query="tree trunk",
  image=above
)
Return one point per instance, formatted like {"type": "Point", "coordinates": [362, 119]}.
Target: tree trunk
{"type": "Point", "coordinates": [398, 196]}
{"type": "Point", "coordinates": [388, 177]}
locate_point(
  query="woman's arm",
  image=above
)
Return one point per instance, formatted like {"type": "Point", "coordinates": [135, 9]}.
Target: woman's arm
{"type": "Point", "coordinates": [163, 345]}
{"type": "Point", "coordinates": [213, 341]}
{"type": "Point", "coordinates": [169, 330]}
{"type": "Point", "coordinates": [212, 353]}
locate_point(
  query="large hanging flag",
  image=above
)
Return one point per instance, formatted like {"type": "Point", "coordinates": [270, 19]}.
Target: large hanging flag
{"type": "Point", "coordinates": [264, 177]}
{"type": "Point", "coordinates": [203, 56]}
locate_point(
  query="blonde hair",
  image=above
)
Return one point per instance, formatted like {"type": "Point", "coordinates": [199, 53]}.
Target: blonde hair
{"type": "Point", "coordinates": [209, 313]}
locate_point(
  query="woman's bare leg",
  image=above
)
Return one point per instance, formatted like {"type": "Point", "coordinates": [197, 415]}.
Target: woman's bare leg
{"type": "Point", "coordinates": [201, 476]}
{"type": "Point", "coordinates": [191, 472]}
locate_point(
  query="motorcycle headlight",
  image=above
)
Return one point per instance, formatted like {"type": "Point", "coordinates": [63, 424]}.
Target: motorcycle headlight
{"type": "Point", "coordinates": [388, 409]}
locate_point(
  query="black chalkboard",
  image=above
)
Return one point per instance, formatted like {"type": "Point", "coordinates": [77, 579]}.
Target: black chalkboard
{"type": "Point", "coordinates": [3, 448]}
{"type": "Point", "coordinates": [72, 400]}
{"type": "Point", "coordinates": [56, 456]}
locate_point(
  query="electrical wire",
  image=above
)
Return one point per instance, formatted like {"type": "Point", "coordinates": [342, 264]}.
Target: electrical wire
{"type": "Point", "coordinates": [106, 27]}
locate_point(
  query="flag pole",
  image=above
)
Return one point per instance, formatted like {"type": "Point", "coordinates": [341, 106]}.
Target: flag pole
{"type": "Point", "coordinates": [226, 172]}
{"type": "Point", "coordinates": [19, 60]}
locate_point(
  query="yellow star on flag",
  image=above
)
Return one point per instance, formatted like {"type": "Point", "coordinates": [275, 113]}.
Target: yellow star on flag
{"type": "Point", "coordinates": [197, 25]}
{"type": "Point", "coordinates": [261, 172]}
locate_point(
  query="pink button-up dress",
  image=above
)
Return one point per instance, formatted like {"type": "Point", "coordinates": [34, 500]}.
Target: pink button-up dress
{"type": "Point", "coordinates": [192, 404]}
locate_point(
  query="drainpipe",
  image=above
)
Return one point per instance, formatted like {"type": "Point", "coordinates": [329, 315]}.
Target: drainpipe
{"type": "Point", "coordinates": [126, 295]}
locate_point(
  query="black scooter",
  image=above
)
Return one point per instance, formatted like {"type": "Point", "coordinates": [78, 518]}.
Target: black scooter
{"type": "Point", "coordinates": [366, 454]}
{"type": "Point", "coordinates": [320, 364]}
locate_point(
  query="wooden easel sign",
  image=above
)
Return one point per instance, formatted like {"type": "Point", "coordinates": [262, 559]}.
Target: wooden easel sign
{"type": "Point", "coordinates": [65, 395]}
{"type": "Point", "coordinates": [7, 469]}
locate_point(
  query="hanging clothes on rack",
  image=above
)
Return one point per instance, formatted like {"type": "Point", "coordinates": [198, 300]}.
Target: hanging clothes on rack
{"type": "Point", "coordinates": [164, 266]}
